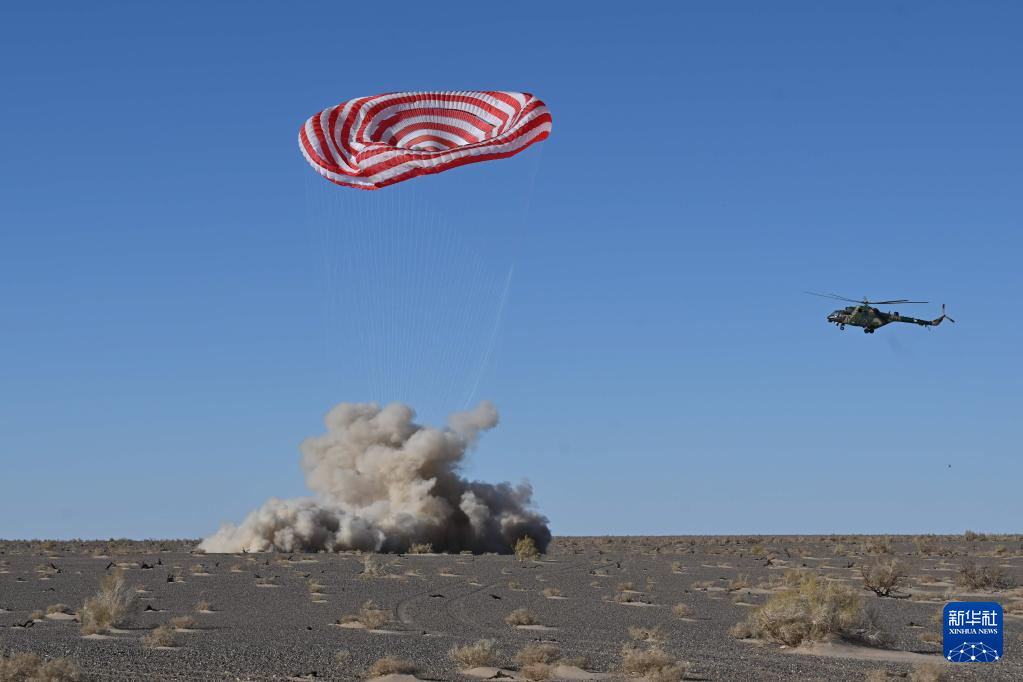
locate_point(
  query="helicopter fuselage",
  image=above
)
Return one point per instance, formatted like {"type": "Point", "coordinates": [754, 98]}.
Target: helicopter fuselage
{"type": "Point", "coordinates": [870, 318]}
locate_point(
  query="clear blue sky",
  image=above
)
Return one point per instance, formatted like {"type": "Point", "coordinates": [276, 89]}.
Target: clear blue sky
{"type": "Point", "coordinates": [162, 303]}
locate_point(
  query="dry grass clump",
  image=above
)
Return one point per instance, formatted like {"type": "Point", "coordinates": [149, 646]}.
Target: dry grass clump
{"type": "Point", "coordinates": [925, 544]}
{"type": "Point", "coordinates": [741, 582]}
{"type": "Point", "coordinates": [182, 622]}
{"type": "Point", "coordinates": [204, 606]}
{"type": "Point", "coordinates": [885, 577]}
{"type": "Point", "coordinates": [375, 567]}
{"type": "Point", "coordinates": [420, 548]}
{"type": "Point", "coordinates": [28, 667]}
{"type": "Point", "coordinates": [652, 664]}
{"type": "Point", "coordinates": [677, 567]}
{"type": "Point", "coordinates": [879, 545]}
{"type": "Point", "coordinates": [681, 610]}
{"type": "Point", "coordinates": [162, 636]}
{"type": "Point", "coordinates": [109, 606]}
{"type": "Point", "coordinates": [58, 608]}
{"type": "Point", "coordinates": [520, 617]}
{"type": "Point", "coordinates": [537, 671]}
{"type": "Point", "coordinates": [38, 614]}
{"type": "Point", "coordinates": [816, 611]}
{"type": "Point", "coordinates": [370, 615]}
{"type": "Point", "coordinates": [541, 652]}
{"type": "Point", "coordinates": [537, 661]}
{"type": "Point", "coordinates": [976, 577]}
{"type": "Point", "coordinates": [624, 594]}
{"type": "Point", "coordinates": [482, 653]}
{"type": "Point", "coordinates": [879, 675]}
{"type": "Point", "coordinates": [551, 592]}
{"type": "Point", "coordinates": [525, 549]}
{"type": "Point", "coordinates": [741, 630]}
{"type": "Point", "coordinates": [927, 672]}
{"type": "Point", "coordinates": [390, 665]}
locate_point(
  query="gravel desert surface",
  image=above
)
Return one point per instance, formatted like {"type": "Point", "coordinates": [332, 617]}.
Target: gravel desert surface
{"type": "Point", "coordinates": [296, 616]}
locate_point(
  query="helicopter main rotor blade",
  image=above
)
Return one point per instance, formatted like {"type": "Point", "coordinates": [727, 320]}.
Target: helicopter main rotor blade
{"type": "Point", "coordinates": [835, 296]}
{"type": "Point", "coordinates": [901, 300]}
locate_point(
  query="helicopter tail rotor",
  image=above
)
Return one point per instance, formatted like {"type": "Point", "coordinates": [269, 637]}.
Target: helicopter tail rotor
{"type": "Point", "coordinates": [943, 317]}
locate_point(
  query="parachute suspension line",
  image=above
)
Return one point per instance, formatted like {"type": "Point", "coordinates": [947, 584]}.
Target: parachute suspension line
{"type": "Point", "coordinates": [491, 342]}
{"type": "Point", "coordinates": [499, 317]}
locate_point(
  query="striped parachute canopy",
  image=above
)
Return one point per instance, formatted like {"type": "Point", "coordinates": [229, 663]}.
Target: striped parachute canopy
{"type": "Point", "coordinates": [372, 142]}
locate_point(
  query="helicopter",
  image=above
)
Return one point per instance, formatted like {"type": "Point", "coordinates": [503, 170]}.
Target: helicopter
{"type": "Point", "coordinates": [865, 315]}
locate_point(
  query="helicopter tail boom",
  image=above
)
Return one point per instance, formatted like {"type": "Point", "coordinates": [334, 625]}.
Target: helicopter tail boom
{"type": "Point", "coordinates": [923, 323]}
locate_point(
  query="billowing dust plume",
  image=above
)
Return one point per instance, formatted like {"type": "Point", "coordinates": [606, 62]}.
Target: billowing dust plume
{"type": "Point", "coordinates": [382, 483]}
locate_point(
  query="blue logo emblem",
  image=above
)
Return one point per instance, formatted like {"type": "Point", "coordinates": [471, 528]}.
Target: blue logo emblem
{"type": "Point", "coordinates": [972, 631]}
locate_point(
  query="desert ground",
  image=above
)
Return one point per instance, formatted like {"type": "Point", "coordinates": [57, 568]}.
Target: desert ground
{"type": "Point", "coordinates": [305, 616]}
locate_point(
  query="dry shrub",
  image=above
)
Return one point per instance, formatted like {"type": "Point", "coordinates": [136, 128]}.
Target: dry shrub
{"type": "Point", "coordinates": [58, 608]}
{"type": "Point", "coordinates": [38, 614]}
{"type": "Point", "coordinates": [541, 652]}
{"type": "Point", "coordinates": [389, 665]}
{"type": "Point", "coordinates": [681, 610]}
{"type": "Point", "coordinates": [28, 667]}
{"type": "Point", "coordinates": [204, 606]}
{"type": "Point", "coordinates": [520, 617]}
{"type": "Point", "coordinates": [794, 576]}
{"type": "Point", "coordinates": [817, 611]}
{"type": "Point", "coordinates": [375, 567]}
{"type": "Point", "coordinates": [164, 635]}
{"type": "Point", "coordinates": [927, 672]}
{"type": "Point", "coordinates": [976, 577]}
{"type": "Point", "coordinates": [884, 578]}
{"type": "Point", "coordinates": [420, 548]}
{"type": "Point", "coordinates": [879, 545]}
{"type": "Point", "coordinates": [879, 675]}
{"type": "Point", "coordinates": [630, 597]}
{"type": "Point", "coordinates": [372, 616]}
{"type": "Point", "coordinates": [482, 653]}
{"type": "Point", "coordinates": [653, 664]}
{"type": "Point", "coordinates": [537, 671]}
{"type": "Point", "coordinates": [741, 582]}
{"type": "Point", "coordinates": [182, 622]}
{"type": "Point", "coordinates": [741, 630]}
{"type": "Point", "coordinates": [551, 592]}
{"type": "Point", "coordinates": [109, 606]}
{"type": "Point", "coordinates": [525, 549]}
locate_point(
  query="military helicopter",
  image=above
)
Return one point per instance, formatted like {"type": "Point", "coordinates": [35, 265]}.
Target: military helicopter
{"type": "Point", "coordinates": [865, 315]}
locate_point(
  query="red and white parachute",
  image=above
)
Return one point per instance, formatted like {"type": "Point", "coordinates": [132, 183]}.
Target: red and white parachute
{"type": "Point", "coordinates": [372, 142]}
